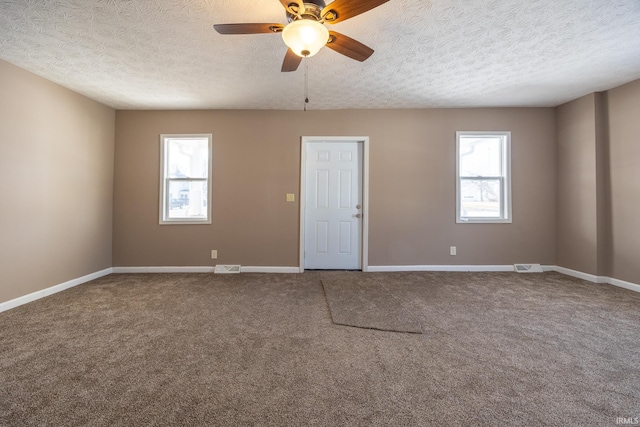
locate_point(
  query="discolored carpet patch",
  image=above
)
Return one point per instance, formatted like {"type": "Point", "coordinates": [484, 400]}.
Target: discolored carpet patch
{"type": "Point", "coordinates": [370, 303]}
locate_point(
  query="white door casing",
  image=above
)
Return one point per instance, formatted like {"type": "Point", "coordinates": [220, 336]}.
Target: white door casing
{"type": "Point", "coordinates": [333, 203]}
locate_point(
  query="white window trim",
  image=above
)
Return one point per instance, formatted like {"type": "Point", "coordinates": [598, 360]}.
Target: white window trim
{"type": "Point", "coordinates": [505, 180]}
{"type": "Point", "coordinates": [163, 213]}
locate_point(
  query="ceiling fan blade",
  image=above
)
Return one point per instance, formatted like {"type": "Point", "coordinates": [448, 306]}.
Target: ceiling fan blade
{"type": "Point", "coordinates": [348, 46]}
{"type": "Point", "coordinates": [295, 7]}
{"type": "Point", "coordinates": [340, 10]}
{"type": "Point", "coordinates": [291, 62]}
{"type": "Point", "coordinates": [248, 28]}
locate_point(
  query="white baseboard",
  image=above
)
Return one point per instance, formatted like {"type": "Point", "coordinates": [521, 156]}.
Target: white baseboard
{"type": "Point", "coordinates": [388, 268]}
{"type": "Point", "coordinates": [8, 305]}
{"type": "Point", "coordinates": [204, 269]}
{"type": "Point", "coordinates": [159, 269]}
{"type": "Point", "coordinates": [578, 274]}
{"type": "Point", "coordinates": [261, 269]}
{"type": "Point", "coordinates": [623, 284]}
{"type": "Point", "coordinates": [598, 279]}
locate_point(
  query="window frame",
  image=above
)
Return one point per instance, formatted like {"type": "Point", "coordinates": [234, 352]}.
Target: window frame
{"type": "Point", "coordinates": [504, 179]}
{"type": "Point", "coordinates": [164, 202]}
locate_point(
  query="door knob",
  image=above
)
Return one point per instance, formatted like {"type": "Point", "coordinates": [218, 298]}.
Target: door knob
{"type": "Point", "coordinates": [358, 206]}
{"type": "Point", "coordinates": [358, 215]}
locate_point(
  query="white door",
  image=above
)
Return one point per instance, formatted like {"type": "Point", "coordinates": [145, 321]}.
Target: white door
{"type": "Point", "coordinates": [333, 205]}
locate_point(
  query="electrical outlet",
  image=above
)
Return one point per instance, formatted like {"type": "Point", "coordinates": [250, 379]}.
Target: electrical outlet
{"type": "Point", "coordinates": [214, 254]}
{"type": "Point", "coordinates": [452, 250]}
{"type": "Point", "coordinates": [291, 197]}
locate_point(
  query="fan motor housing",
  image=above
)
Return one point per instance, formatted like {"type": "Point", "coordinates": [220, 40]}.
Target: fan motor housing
{"type": "Point", "coordinates": [312, 10]}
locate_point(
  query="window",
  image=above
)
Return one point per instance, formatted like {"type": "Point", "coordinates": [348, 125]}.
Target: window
{"type": "Point", "coordinates": [483, 187]}
{"type": "Point", "coordinates": [185, 179]}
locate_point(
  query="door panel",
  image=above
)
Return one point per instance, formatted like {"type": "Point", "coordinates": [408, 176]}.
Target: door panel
{"type": "Point", "coordinates": [322, 237]}
{"type": "Point", "coordinates": [345, 183]}
{"type": "Point", "coordinates": [322, 189]}
{"type": "Point", "coordinates": [333, 195]}
{"type": "Point", "coordinates": [345, 238]}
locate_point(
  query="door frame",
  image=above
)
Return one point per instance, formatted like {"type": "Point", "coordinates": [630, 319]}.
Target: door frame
{"type": "Point", "coordinates": [364, 140]}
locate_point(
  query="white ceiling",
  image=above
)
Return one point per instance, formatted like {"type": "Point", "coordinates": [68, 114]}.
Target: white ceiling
{"type": "Point", "coordinates": [164, 54]}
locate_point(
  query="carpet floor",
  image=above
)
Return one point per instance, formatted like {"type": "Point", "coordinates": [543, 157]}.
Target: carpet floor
{"type": "Point", "coordinates": [485, 349]}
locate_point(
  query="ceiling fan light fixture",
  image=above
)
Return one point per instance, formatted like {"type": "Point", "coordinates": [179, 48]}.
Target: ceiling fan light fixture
{"type": "Point", "coordinates": [305, 37]}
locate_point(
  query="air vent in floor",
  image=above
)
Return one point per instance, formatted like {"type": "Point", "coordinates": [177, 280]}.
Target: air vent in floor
{"type": "Point", "coordinates": [226, 269]}
{"type": "Point", "coordinates": [528, 268]}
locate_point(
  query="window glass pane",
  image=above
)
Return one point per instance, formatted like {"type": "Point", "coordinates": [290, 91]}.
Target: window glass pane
{"type": "Point", "coordinates": [188, 158]}
{"type": "Point", "coordinates": [187, 200]}
{"type": "Point", "coordinates": [480, 198]}
{"type": "Point", "coordinates": [480, 156]}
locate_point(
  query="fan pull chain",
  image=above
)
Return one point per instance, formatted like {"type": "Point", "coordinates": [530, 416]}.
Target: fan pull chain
{"type": "Point", "coordinates": [306, 82]}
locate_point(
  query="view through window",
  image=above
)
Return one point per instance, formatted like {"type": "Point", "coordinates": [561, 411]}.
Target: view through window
{"type": "Point", "coordinates": [186, 179]}
{"type": "Point", "coordinates": [483, 178]}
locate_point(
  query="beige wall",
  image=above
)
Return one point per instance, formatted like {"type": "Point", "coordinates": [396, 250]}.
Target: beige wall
{"type": "Point", "coordinates": [412, 186]}
{"type": "Point", "coordinates": [56, 184]}
{"type": "Point", "coordinates": [624, 164]}
{"type": "Point", "coordinates": [577, 228]}
{"type": "Point", "coordinates": [598, 186]}
{"type": "Point", "coordinates": [603, 184]}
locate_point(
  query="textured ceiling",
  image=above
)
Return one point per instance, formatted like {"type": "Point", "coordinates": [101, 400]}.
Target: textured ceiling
{"type": "Point", "coordinates": [164, 54]}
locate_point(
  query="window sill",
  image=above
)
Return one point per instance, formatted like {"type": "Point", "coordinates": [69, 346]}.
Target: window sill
{"type": "Point", "coordinates": [483, 221]}
{"type": "Point", "coordinates": [188, 222]}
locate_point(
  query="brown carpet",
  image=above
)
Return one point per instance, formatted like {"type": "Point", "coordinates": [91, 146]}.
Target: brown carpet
{"type": "Point", "coordinates": [257, 349]}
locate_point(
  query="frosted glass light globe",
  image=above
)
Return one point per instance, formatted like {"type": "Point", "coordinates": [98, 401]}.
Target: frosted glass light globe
{"type": "Point", "coordinates": [305, 37]}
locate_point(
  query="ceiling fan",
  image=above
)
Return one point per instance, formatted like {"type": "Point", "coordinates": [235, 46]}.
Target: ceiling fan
{"type": "Point", "coordinates": [305, 34]}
